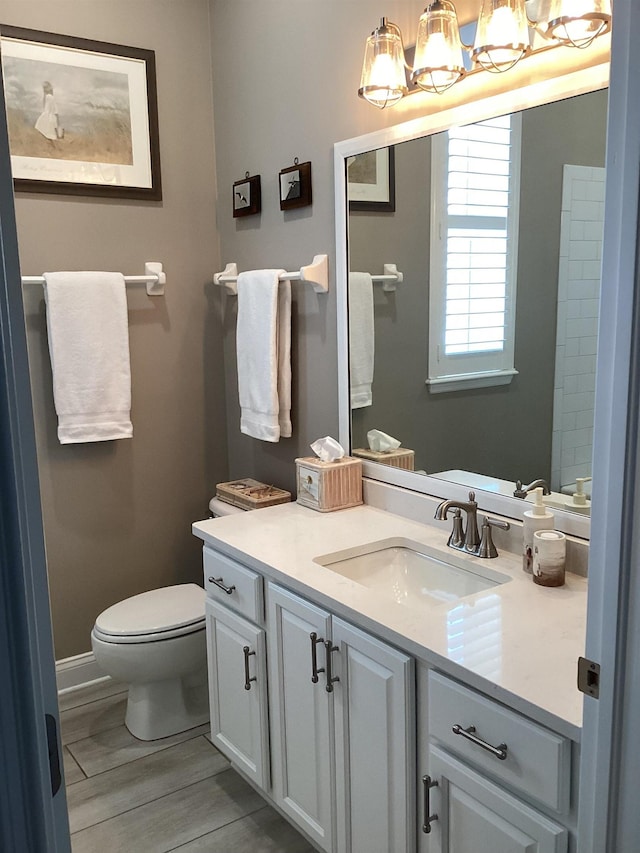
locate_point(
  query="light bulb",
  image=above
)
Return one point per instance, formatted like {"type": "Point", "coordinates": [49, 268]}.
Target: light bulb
{"type": "Point", "coordinates": [438, 59]}
{"type": "Point", "coordinates": [383, 80]}
{"type": "Point", "coordinates": [575, 22]}
{"type": "Point", "coordinates": [502, 37]}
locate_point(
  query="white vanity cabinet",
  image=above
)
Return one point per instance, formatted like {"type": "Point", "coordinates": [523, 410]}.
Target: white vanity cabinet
{"type": "Point", "coordinates": [237, 663]}
{"type": "Point", "coordinates": [342, 723]}
{"type": "Point", "coordinates": [493, 780]}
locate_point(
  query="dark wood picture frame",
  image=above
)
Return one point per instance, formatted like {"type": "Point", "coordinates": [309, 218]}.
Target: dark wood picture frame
{"type": "Point", "coordinates": [247, 196]}
{"type": "Point", "coordinates": [376, 194]}
{"type": "Point", "coordinates": [110, 146]}
{"type": "Point", "coordinates": [295, 186]}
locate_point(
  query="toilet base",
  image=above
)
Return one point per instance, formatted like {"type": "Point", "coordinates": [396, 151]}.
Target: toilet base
{"type": "Point", "coordinates": [159, 709]}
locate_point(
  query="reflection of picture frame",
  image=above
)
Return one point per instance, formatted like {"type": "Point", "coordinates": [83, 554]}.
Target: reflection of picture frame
{"type": "Point", "coordinates": [82, 115]}
{"type": "Point", "coordinates": [371, 183]}
{"type": "Point", "coordinates": [247, 196]}
{"type": "Point", "coordinates": [295, 186]}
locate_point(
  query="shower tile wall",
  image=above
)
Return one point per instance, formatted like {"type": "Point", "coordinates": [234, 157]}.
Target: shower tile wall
{"type": "Point", "coordinates": [581, 228]}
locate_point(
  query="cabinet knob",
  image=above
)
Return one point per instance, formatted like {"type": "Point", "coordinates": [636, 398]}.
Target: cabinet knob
{"type": "Point", "coordinates": [219, 583]}
{"type": "Point", "coordinates": [247, 680]}
{"type": "Point", "coordinates": [469, 733]}
{"type": "Point", "coordinates": [331, 679]}
{"type": "Point", "coordinates": [427, 818]}
{"type": "Point", "coordinates": [315, 639]}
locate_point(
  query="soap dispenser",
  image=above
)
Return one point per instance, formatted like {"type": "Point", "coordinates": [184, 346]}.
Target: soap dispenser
{"type": "Point", "coordinates": [539, 517]}
{"type": "Point", "coordinates": [579, 502]}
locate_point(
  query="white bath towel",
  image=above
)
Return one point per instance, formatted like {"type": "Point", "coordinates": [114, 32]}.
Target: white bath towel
{"type": "Point", "coordinates": [263, 341]}
{"type": "Point", "coordinates": [89, 349]}
{"type": "Point", "coordinates": [361, 338]}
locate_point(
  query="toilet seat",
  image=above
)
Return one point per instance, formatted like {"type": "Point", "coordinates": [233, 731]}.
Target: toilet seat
{"type": "Point", "coordinates": [159, 614]}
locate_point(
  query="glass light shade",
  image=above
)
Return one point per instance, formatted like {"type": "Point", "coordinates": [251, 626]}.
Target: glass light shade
{"type": "Point", "coordinates": [383, 80]}
{"type": "Point", "coordinates": [438, 60]}
{"type": "Point", "coordinates": [502, 37]}
{"type": "Point", "coordinates": [574, 22]}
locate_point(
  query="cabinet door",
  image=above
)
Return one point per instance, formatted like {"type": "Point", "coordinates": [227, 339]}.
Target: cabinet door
{"type": "Point", "coordinates": [236, 655]}
{"type": "Point", "coordinates": [476, 816]}
{"type": "Point", "coordinates": [301, 715]}
{"type": "Point", "coordinates": [375, 746]}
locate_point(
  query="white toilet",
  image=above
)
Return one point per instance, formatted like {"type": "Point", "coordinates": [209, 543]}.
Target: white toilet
{"type": "Point", "coordinates": [155, 642]}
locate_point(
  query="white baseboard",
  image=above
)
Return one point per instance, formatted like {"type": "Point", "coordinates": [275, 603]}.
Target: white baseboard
{"type": "Point", "coordinates": [78, 671]}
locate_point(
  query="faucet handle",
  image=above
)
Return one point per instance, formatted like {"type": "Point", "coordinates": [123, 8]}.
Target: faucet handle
{"type": "Point", "coordinates": [486, 548]}
{"type": "Point", "coordinates": [456, 540]}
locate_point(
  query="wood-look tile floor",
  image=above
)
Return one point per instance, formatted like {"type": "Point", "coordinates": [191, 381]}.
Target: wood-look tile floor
{"type": "Point", "coordinates": [176, 794]}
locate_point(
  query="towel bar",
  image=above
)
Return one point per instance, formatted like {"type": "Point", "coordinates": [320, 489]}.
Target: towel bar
{"type": "Point", "coordinates": [154, 278]}
{"type": "Point", "coordinates": [391, 277]}
{"type": "Point", "coordinates": [316, 273]}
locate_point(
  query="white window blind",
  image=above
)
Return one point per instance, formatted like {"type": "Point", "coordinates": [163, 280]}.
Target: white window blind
{"type": "Point", "coordinates": [474, 232]}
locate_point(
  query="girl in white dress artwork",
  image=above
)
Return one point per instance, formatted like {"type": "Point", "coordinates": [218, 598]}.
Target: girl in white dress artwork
{"type": "Point", "coordinates": [47, 123]}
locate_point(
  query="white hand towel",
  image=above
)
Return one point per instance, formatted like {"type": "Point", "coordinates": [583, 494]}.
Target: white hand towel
{"type": "Point", "coordinates": [263, 342]}
{"type": "Point", "coordinates": [89, 348]}
{"type": "Point", "coordinates": [361, 338]}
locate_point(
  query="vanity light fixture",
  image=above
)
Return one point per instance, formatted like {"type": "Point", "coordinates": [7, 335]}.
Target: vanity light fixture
{"type": "Point", "coordinates": [574, 22]}
{"type": "Point", "coordinates": [502, 36]}
{"type": "Point", "coordinates": [438, 60]}
{"type": "Point", "coordinates": [383, 80]}
{"type": "Point", "coordinates": [502, 39]}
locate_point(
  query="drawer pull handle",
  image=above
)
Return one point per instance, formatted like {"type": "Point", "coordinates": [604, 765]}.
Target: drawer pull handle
{"type": "Point", "coordinates": [428, 818]}
{"type": "Point", "coordinates": [315, 639]}
{"type": "Point", "coordinates": [218, 582]}
{"type": "Point", "coordinates": [247, 680]}
{"type": "Point", "coordinates": [331, 679]}
{"type": "Point", "coordinates": [499, 751]}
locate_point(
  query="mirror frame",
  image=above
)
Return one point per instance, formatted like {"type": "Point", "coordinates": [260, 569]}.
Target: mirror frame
{"type": "Point", "coordinates": [529, 94]}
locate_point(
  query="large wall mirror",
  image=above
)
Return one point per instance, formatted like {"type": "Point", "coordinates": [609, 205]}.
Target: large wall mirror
{"type": "Point", "coordinates": [497, 230]}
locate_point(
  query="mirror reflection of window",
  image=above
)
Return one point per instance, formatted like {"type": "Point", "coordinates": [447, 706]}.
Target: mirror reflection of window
{"type": "Point", "coordinates": [475, 175]}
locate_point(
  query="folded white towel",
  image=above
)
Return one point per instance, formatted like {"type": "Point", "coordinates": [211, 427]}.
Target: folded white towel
{"type": "Point", "coordinates": [361, 338]}
{"type": "Point", "coordinates": [89, 349]}
{"type": "Point", "coordinates": [263, 342]}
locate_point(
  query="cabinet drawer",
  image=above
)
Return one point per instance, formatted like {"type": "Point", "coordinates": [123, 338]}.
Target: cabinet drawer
{"type": "Point", "coordinates": [246, 588]}
{"type": "Point", "coordinates": [538, 761]}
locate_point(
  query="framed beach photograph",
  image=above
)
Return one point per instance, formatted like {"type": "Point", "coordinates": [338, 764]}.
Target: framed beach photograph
{"type": "Point", "coordinates": [371, 184]}
{"type": "Point", "coordinates": [82, 115]}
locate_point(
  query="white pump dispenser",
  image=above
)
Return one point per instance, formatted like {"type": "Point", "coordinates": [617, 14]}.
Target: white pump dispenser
{"type": "Point", "coordinates": [539, 517]}
{"type": "Point", "coordinates": [579, 500]}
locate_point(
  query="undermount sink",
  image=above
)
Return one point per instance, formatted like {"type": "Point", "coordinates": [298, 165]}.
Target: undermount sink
{"type": "Point", "coordinates": [411, 573]}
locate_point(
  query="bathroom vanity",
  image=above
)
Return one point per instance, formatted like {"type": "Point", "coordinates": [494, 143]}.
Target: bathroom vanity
{"type": "Point", "coordinates": [381, 714]}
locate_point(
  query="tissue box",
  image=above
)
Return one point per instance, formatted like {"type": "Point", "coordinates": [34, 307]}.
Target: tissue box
{"type": "Point", "coordinates": [251, 494]}
{"type": "Point", "coordinates": [399, 458]}
{"type": "Point", "coordinates": [326, 486]}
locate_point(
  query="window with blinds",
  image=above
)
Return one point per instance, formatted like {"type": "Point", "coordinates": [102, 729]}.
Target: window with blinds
{"type": "Point", "coordinates": [474, 233]}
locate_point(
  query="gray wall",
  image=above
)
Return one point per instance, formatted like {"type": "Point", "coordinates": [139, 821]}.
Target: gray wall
{"type": "Point", "coordinates": [117, 515]}
{"type": "Point", "coordinates": [285, 77]}
{"type": "Point", "coordinates": [475, 430]}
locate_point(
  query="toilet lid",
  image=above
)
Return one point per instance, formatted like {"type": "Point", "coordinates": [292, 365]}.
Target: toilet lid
{"type": "Point", "coordinates": [151, 612]}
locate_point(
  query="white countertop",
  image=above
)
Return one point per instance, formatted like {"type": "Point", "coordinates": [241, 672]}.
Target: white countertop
{"type": "Point", "coordinates": [518, 642]}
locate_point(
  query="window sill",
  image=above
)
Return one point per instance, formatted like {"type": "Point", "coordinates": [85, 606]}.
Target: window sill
{"type": "Point", "coordinates": [467, 381]}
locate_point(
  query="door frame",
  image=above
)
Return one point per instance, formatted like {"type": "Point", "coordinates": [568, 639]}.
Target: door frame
{"type": "Point", "coordinates": [33, 818]}
{"type": "Point", "coordinates": [615, 533]}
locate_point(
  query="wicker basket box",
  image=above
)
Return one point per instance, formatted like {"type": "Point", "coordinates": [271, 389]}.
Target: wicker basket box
{"type": "Point", "coordinates": [399, 458]}
{"type": "Point", "coordinates": [326, 486]}
{"type": "Point", "coordinates": [251, 494]}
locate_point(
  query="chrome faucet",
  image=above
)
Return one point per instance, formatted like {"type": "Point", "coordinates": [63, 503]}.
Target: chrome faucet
{"type": "Point", "coordinates": [471, 538]}
{"type": "Point", "coordinates": [522, 491]}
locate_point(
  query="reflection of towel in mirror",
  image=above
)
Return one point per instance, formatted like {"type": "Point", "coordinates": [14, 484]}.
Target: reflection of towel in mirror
{"type": "Point", "coordinates": [89, 347]}
{"type": "Point", "coordinates": [263, 342]}
{"type": "Point", "coordinates": [361, 338]}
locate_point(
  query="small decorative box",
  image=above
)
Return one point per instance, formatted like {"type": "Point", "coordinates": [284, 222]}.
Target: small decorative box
{"type": "Point", "coordinates": [251, 494]}
{"type": "Point", "coordinates": [399, 458]}
{"type": "Point", "coordinates": [326, 486]}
